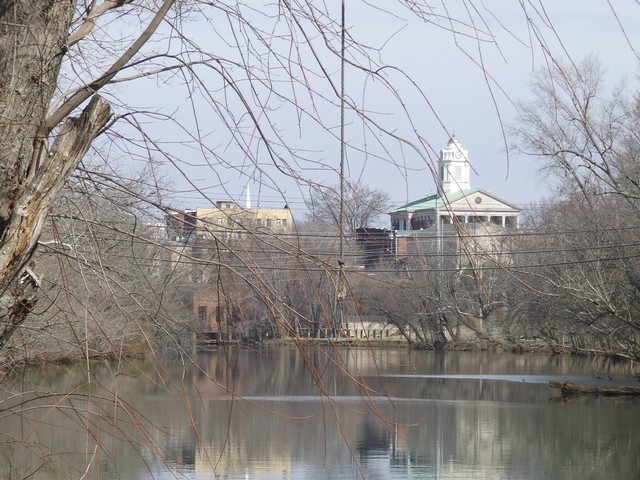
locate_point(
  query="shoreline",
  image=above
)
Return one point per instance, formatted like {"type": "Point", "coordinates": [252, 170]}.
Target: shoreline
{"type": "Point", "coordinates": [135, 352]}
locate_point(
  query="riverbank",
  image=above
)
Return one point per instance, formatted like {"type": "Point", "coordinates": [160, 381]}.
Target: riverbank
{"type": "Point", "coordinates": [138, 350]}
{"type": "Point", "coordinates": [524, 346]}
{"type": "Point", "coordinates": [10, 360]}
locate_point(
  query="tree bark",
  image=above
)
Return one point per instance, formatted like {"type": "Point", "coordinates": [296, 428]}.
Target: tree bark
{"type": "Point", "coordinates": [32, 44]}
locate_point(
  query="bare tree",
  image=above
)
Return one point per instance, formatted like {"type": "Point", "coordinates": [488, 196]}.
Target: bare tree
{"type": "Point", "coordinates": [586, 137]}
{"type": "Point", "coordinates": [34, 37]}
{"type": "Point", "coordinates": [578, 269]}
{"type": "Point", "coordinates": [584, 133]}
{"type": "Point", "coordinates": [101, 262]}
{"type": "Point", "coordinates": [363, 205]}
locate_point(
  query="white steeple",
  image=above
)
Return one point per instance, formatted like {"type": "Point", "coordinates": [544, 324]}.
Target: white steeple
{"type": "Point", "coordinates": [454, 169]}
{"type": "Point", "coordinates": [247, 203]}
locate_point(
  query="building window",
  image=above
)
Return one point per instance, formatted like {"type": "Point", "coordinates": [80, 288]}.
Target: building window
{"type": "Point", "coordinates": [278, 222]}
{"type": "Point", "coordinates": [258, 222]}
{"type": "Point", "coordinates": [229, 221]}
{"type": "Point", "coordinates": [284, 222]}
{"type": "Point", "coordinates": [219, 221]}
{"type": "Point", "coordinates": [269, 222]}
{"type": "Point", "coordinates": [202, 313]}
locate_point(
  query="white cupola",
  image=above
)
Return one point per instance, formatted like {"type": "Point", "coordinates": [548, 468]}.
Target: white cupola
{"type": "Point", "coordinates": [454, 169]}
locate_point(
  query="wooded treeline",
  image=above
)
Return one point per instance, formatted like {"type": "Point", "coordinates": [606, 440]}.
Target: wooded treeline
{"type": "Point", "coordinates": [566, 281]}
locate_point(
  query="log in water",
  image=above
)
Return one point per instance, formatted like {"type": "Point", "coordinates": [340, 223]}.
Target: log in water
{"type": "Point", "coordinates": [569, 388]}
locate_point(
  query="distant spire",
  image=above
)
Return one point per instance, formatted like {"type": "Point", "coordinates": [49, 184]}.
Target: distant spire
{"type": "Point", "coordinates": [248, 201]}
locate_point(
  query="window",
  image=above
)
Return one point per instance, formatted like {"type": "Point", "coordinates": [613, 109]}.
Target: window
{"type": "Point", "coordinates": [219, 221]}
{"type": "Point", "coordinates": [258, 222]}
{"type": "Point", "coordinates": [278, 222]}
{"type": "Point", "coordinates": [269, 222]}
{"type": "Point", "coordinates": [284, 222]}
{"type": "Point", "coordinates": [202, 313]}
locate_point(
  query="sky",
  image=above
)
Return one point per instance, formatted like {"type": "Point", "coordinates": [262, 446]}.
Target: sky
{"type": "Point", "coordinates": [434, 72]}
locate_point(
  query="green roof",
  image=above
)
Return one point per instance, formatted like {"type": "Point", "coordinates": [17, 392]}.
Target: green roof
{"type": "Point", "coordinates": [433, 201]}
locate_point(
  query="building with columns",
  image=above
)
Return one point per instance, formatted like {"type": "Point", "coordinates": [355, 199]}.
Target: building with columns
{"type": "Point", "coordinates": [456, 203]}
{"type": "Point", "coordinates": [458, 223]}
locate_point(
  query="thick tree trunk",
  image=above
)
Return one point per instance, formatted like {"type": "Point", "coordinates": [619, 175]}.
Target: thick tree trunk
{"type": "Point", "coordinates": [33, 36]}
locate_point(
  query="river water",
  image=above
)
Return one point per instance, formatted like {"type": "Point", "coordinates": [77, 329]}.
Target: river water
{"type": "Point", "coordinates": [277, 413]}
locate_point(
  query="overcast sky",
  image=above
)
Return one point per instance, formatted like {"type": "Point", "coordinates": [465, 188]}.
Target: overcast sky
{"type": "Point", "coordinates": [447, 92]}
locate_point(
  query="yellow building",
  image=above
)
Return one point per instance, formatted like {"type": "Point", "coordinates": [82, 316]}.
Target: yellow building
{"type": "Point", "coordinates": [230, 218]}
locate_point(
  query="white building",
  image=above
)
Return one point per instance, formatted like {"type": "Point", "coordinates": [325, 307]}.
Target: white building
{"type": "Point", "coordinates": [460, 224]}
{"type": "Point", "coordinates": [456, 203]}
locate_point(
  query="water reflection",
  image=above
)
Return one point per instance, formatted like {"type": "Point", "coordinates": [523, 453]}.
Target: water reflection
{"type": "Point", "coordinates": [358, 414]}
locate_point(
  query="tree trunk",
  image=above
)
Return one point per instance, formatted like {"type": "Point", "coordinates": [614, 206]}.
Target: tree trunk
{"type": "Point", "coordinates": [33, 36]}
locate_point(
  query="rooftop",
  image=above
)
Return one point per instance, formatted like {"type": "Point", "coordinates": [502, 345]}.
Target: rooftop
{"type": "Point", "coordinates": [434, 200]}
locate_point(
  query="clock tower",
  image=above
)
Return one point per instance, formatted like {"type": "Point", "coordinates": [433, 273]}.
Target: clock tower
{"type": "Point", "coordinates": [454, 170]}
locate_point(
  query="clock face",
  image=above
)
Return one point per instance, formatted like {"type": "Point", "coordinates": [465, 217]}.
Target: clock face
{"type": "Point", "coordinates": [478, 200]}
{"type": "Point", "coordinates": [458, 154]}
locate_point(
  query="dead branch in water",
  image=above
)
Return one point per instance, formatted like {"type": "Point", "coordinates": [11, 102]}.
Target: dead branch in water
{"type": "Point", "coordinates": [569, 388]}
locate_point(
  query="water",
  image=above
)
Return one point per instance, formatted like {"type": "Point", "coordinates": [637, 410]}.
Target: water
{"type": "Point", "coordinates": [261, 414]}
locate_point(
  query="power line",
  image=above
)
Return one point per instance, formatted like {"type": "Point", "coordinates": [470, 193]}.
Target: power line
{"type": "Point", "coordinates": [312, 261]}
